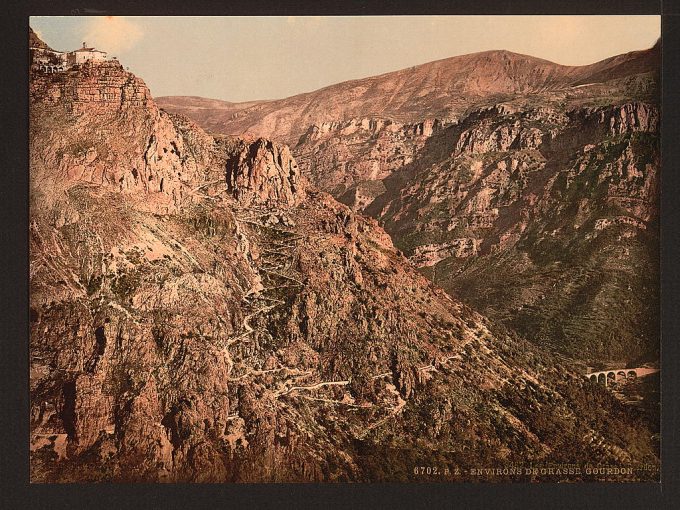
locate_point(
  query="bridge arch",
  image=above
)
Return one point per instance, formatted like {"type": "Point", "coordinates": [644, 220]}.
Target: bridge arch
{"type": "Point", "coordinates": [615, 375]}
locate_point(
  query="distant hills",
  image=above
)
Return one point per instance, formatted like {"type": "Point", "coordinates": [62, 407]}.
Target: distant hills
{"type": "Point", "coordinates": [441, 89]}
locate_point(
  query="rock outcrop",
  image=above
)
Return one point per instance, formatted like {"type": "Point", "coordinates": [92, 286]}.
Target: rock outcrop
{"type": "Point", "coordinates": [198, 314]}
{"type": "Point", "coordinates": [430, 254]}
{"type": "Point", "coordinates": [94, 88]}
{"type": "Point", "coordinates": [264, 171]}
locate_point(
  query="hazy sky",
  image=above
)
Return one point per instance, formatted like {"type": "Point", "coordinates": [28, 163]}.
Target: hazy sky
{"type": "Point", "coordinates": [246, 58]}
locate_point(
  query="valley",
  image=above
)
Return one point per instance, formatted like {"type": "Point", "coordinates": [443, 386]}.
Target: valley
{"type": "Point", "coordinates": [408, 270]}
{"type": "Point", "coordinates": [527, 189]}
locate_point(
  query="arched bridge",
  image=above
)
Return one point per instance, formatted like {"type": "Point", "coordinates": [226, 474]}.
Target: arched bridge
{"type": "Point", "coordinates": [619, 374]}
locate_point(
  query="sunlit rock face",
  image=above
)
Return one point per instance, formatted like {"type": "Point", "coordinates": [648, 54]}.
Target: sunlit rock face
{"type": "Point", "coordinates": [199, 313]}
{"type": "Point", "coordinates": [264, 171]}
{"type": "Point", "coordinates": [526, 188]}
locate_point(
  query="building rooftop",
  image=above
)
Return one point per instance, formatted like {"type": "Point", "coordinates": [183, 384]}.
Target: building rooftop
{"type": "Point", "coordinates": [85, 48]}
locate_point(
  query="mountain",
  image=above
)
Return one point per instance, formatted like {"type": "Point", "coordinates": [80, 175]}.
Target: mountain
{"type": "Point", "coordinates": [199, 312]}
{"type": "Point", "coordinates": [526, 188]}
{"type": "Point", "coordinates": [442, 89]}
{"type": "Point", "coordinates": [543, 219]}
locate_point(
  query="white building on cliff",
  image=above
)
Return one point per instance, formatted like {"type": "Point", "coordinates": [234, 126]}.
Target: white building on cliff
{"type": "Point", "coordinates": [84, 54]}
{"type": "Point", "coordinates": [51, 61]}
{"type": "Point", "coordinates": [45, 59]}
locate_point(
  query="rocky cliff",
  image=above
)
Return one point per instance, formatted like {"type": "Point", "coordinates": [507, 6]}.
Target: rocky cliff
{"type": "Point", "coordinates": [546, 220]}
{"type": "Point", "coordinates": [527, 188]}
{"type": "Point", "coordinates": [264, 171]}
{"type": "Point", "coordinates": [198, 313]}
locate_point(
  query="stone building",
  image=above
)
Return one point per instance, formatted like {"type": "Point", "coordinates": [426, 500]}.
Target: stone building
{"type": "Point", "coordinates": [45, 59]}
{"type": "Point", "coordinates": [84, 54]}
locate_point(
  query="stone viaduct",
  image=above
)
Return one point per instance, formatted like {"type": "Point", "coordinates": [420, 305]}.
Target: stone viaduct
{"type": "Point", "coordinates": [619, 374]}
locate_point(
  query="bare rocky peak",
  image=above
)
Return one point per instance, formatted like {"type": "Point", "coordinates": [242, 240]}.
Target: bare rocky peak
{"type": "Point", "coordinates": [264, 171]}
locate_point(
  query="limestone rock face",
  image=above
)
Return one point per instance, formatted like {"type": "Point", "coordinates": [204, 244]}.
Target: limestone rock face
{"type": "Point", "coordinates": [430, 254]}
{"type": "Point", "coordinates": [540, 191]}
{"type": "Point", "coordinates": [627, 118]}
{"type": "Point", "coordinates": [198, 314]}
{"type": "Point", "coordinates": [539, 162]}
{"type": "Point", "coordinates": [94, 87]}
{"type": "Point", "coordinates": [77, 113]}
{"type": "Point", "coordinates": [264, 171]}
{"type": "Point", "coordinates": [355, 155]}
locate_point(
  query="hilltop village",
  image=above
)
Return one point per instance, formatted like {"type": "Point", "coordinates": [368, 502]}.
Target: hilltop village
{"type": "Point", "coordinates": [45, 59]}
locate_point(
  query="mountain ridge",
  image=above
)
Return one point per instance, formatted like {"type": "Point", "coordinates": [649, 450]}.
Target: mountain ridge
{"type": "Point", "coordinates": [477, 74]}
{"type": "Point", "coordinates": [199, 313]}
{"type": "Point", "coordinates": [500, 128]}
{"type": "Point", "coordinates": [625, 56]}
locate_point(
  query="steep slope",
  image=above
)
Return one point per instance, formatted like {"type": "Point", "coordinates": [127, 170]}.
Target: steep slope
{"type": "Point", "coordinates": [622, 66]}
{"type": "Point", "coordinates": [36, 42]}
{"type": "Point", "coordinates": [442, 89]}
{"type": "Point", "coordinates": [527, 188]}
{"type": "Point", "coordinates": [198, 313]}
{"type": "Point", "coordinates": [545, 220]}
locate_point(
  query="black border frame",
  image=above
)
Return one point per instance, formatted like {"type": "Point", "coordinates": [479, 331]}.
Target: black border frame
{"type": "Point", "coordinates": [16, 491]}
